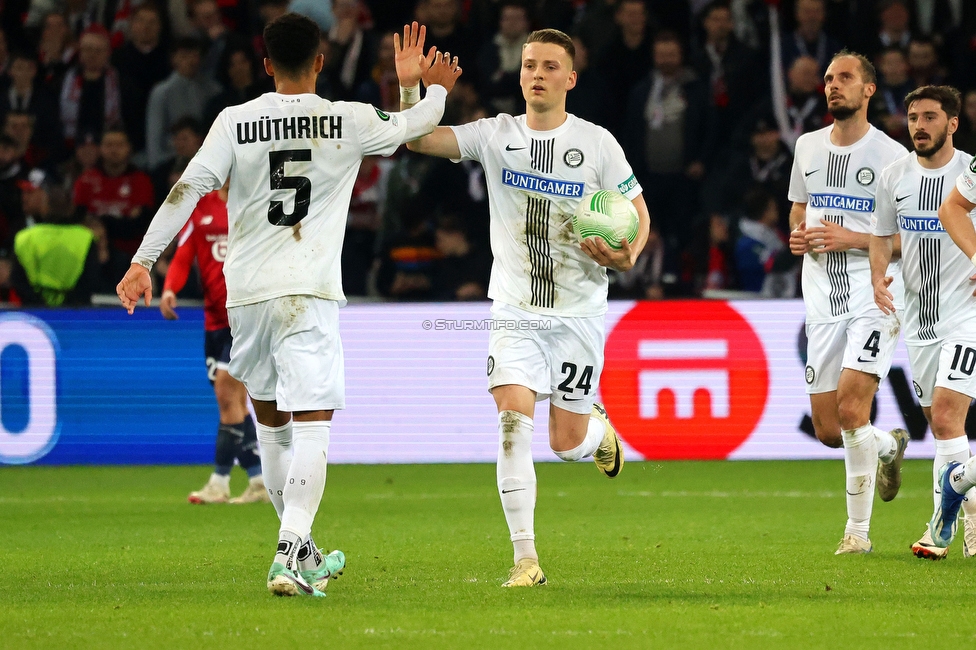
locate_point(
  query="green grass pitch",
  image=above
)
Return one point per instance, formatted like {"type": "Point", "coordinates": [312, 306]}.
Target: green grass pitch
{"type": "Point", "coordinates": [690, 555]}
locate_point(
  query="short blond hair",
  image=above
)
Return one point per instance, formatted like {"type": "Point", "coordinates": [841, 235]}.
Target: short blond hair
{"type": "Point", "coordinates": [555, 37]}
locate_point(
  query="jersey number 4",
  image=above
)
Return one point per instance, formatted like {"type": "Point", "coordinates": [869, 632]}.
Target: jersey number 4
{"type": "Point", "coordinates": [301, 185]}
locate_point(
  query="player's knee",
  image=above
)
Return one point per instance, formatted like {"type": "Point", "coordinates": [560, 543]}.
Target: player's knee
{"type": "Point", "coordinates": [945, 427]}
{"type": "Point", "coordinates": [851, 413]}
{"type": "Point", "coordinates": [829, 437]}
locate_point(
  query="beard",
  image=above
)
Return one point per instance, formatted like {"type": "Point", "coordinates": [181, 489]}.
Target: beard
{"type": "Point", "coordinates": [935, 144]}
{"type": "Point", "coordinates": [844, 112]}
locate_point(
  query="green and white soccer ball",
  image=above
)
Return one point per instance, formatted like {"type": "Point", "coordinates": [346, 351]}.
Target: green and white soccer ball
{"type": "Point", "coordinates": [609, 215]}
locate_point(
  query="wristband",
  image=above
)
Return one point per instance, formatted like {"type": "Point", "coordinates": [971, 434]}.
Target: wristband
{"type": "Point", "coordinates": [410, 95]}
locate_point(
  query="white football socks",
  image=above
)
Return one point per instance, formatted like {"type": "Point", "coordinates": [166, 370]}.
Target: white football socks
{"type": "Point", "coordinates": [964, 478]}
{"type": "Point", "coordinates": [276, 454]}
{"type": "Point", "coordinates": [861, 465]}
{"type": "Point", "coordinates": [306, 478]}
{"type": "Point", "coordinates": [887, 447]}
{"type": "Point", "coordinates": [592, 440]}
{"type": "Point", "coordinates": [956, 449]}
{"type": "Point", "coordinates": [515, 474]}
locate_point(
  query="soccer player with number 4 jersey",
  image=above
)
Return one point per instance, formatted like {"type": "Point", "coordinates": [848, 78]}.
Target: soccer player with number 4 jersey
{"type": "Point", "coordinates": [850, 342]}
{"type": "Point", "coordinates": [538, 166]}
{"type": "Point", "coordinates": [939, 318]}
{"type": "Point", "coordinates": [292, 158]}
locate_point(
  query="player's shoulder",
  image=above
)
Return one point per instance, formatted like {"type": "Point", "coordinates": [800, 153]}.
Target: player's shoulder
{"type": "Point", "coordinates": [588, 130]}
{"type": "Point", "coordinates": [271, 100]}
{"type": "Point", "coordinates": [963, 158]}
{"type": "Point", "coordinates": [881, 140]}
{"type": "Point", "coordinates": [897, 167]}
{"type": "Point", "coordinates": [812, 139]}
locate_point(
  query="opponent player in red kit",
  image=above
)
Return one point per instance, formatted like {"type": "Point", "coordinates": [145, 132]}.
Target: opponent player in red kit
{"type": "Point", "coordinates": [204, 238]}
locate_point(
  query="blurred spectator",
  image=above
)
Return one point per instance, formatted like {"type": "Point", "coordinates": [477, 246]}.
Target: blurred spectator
{"type": "Point", "coordinates": [13, 173]}
{"type": "Point", "coordinates": [118, 194]}
{"type": "Point", "coordinates": [806, 105]}
{"type": "Point", "coordinates": [560, 14]}
{"type": "Point", "coordinates": [56, 50]}
{"type": "Point", "coordinates": [407, 265]}
{"type": "Point", "coordinates": [184, 93]}
{"type": "Point", "coordinates": [8, 295]}
{"type": "Point", "coordinates": [735, 81]}
{"type": "Point", "coordinates": [588, 99]}
{"type": "Point", "coordinates": [626, 59]}
{"type": "Point", "coordinates": [936, 17]}
{"type": "Point", "coordinates": [887, 108]}
{"type": "Point", "coordinates": [767, 163]}
{"type": "Point", "coordinates": [462, 270]}
{"type": "Point", "coordinates": [186, 137]}
{"type": "Point", "coordinates": [763, 260]}
{"type": "Point", "coordinates": [894, 31]}
{"type": "Point", "coordinates": [363, 222]}
{"type": "Point", "coordinates": [323, 84]}
{"type": "Point", "coordinates": [142, 62]}
{"type": "Point", "coordinates": [923, 60]}
{"type": "Point", "coordinates": [667, 133]}
{"type": "Point", "coordinates": [21, 91]}
{"type": "Point", "coordinates": [809, 37]}
{"type": "Point", "coordinates": [57, 262]}
{"type": "Point", "coordinates": [20, 127]}
{"type": "Point", "coordinates": [391, 15]}
{"type": "Point", "coordinates": [318, 10]}
{"type": "Point", "coordinates": [212, 34]}
{"type": "Point", "coordinates": [86, 155]}
{"type": "Point", "coordinates": [445, 32]}
{"type": "Point", "coordinates": [964, 138]}
{"type": "Point", "coordinates": [707, 263]}
{"type": "Point", "coordinates": [382, 89]}
{"type": "Point", "coordinates": [90, 94]}
{"type": "Point", "coordinates": [650, 277]}
{"type": "Point", "coordinates": [4, 52]}
{"type": "Point", "coordinates": [404, 183]}
{"type": "Point", "coordinates": [500, 61]}
{"type": "Point", "coordinates": [597, 26]}
{"type": "Point", "coordinates": [353, 48]}
{"type": "Point", "coordinates": [238, 76]}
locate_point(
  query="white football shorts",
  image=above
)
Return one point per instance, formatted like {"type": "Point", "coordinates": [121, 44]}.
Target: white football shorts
{"type": "Point", "coordinates": [560, 358]}
{"type": "Point", "coordinates": [287, 350]}
{"type": "Point", "coordinates": [947, 364]}
{"type": "Point", "coordinates": [865, 343]}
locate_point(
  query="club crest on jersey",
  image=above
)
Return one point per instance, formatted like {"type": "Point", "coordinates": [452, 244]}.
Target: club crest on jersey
{"type": "Point", "coordinates": [573, 157]}
{"type": "Point", "coordinates": [918, 389]}
{"type": "Point", "coordinates": [491, 364]}
{"type": "Point", "coordinates": [972, 165]}
{"type": "Point", "coordinates": [865, 176]}
{"type": "Point", "coordinates": [810, 374]}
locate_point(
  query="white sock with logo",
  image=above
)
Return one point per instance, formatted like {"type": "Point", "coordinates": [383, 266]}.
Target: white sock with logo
{"type": "Point", "coordinates": [276, 455]}
{"type": "Point", "coordinates": [964, 478]}
{"type": "Point", "coordinates": [887, 447]}
{"type": "Point", "coordinates": [861, 465]}
{"type": "Point", "coordinates": [515, 474]}
{"type": "Point", "coordinates": [592, 440]}
{"type": "Point", "coordinates": [956, 449]}
{"type": "Point", "coordinates": [306, 478]}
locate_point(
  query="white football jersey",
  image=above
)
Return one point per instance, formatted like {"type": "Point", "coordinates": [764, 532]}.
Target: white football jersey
{"type": "Point", "coordinates": [966, 182]}
{"type": "Point", "coordinates": [838, 184]}
{"type": "Point", "coordinates": [293, 160]}
{"type": "Point", "coordinates": [535, 181]}
{"type": "Point", "coordinates": [938, 291]}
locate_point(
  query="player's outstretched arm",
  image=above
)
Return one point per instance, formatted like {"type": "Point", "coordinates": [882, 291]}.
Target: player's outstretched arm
{"type": "Point", "coordinates": [880, 250]}
{"type": "Point", "coordinates": [625, 258]}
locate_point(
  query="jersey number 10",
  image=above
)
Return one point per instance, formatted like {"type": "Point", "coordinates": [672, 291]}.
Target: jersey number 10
{"type": "Point", "coordinates": [301, 185]}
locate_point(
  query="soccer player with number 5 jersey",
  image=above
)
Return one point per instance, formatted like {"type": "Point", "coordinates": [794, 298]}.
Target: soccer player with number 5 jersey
{"type": "Point", "coordinates": [292, 158]}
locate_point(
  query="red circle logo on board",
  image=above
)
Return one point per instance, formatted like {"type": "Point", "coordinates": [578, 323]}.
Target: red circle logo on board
{"type": "Point", "coordinates": [684, 380]}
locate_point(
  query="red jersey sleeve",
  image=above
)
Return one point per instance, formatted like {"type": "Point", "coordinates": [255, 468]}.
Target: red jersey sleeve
{"type": "Point", "coordinates": [142, 190]}
{"type": "Point", "coordinates": [182, 262]}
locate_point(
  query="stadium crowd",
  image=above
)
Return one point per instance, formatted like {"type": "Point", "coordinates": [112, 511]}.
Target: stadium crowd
{"type": "Point", "coordinates": [103, 103]}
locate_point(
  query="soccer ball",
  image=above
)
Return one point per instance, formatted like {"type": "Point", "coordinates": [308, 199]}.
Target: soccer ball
{"type": "Point", "coordinates": [607, 215]}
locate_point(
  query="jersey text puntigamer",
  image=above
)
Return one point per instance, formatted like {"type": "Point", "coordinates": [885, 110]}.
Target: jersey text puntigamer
{"type": "Point", "coordinates": [535, 181]}
{"type": "Point", "coordinates": [838, 184]}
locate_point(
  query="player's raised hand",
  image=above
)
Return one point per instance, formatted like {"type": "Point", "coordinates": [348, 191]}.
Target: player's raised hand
{"type": "Point", "coordinates": [136, 284]}
{"type": "Point", "coordinates": [831, 237]}
{"type": "Point", "coordinates": [882, 297]}
{"type": "Point", "coordinates": [798, 240]}
{"type": "Point", "coordinates": [409, 54]}
{"type": "Point", "coordinates": [618, 260]}
{"type": "Point", "coordinates": [167, 305]}
{"type": "Point", "coordinates": [444, 71]}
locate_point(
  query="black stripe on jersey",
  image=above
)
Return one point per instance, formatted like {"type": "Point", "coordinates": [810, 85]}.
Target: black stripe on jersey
{"type": "Point", "coordinates": [540, 256]}
{"type": "Point", "coordinates": [840, 283]}
{"type": "Point", "coordinates": [837, 169]}
{"type": "Point", "coordinates": [930, 194]}
{"type": "Point", "coordinates": [541, 154]}
{"type": "Point", "coordinates": [929, 262]}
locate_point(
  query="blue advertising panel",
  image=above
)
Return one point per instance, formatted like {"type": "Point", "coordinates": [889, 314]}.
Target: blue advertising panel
{"type": "Point", "coordinates": [101, 387]}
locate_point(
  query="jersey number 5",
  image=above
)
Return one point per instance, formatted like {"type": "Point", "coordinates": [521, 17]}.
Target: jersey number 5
{"type": "Point", "coordinates": [301, 185]}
